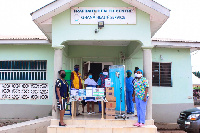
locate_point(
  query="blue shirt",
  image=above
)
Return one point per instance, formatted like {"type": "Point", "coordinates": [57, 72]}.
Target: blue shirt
{"type": "Point", "coordinates": [64, 88]}
{"type": "Point", "coordinates": [129, 84]}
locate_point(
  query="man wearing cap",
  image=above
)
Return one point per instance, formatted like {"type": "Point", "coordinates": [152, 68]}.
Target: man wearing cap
{"type": "Point", "coordinates": [129, 92]}
{"type": "Point", "coordinates": [76, 83]}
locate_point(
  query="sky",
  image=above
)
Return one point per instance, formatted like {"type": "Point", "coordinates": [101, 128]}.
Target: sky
{"type": "Point", "coordinates": [15, 19]}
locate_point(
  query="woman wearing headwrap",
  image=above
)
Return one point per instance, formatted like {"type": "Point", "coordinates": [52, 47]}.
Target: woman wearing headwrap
{"type": "Point", "coordinates": [140, 96]}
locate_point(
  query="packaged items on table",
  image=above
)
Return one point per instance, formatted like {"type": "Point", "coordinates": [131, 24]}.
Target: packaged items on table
{"type": "Point", "coordinates": [81, 92]}
{"type": "Point", "coordinates": [74, 92]}
{"type": "Point", "coordinates": [89, 91]}
{"type": "Point", "coordinates": [98, 91]}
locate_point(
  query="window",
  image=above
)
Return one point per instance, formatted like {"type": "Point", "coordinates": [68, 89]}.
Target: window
{"type": "Point", "coordinates": [23, 70]}
{"type": "Point", "coordinates": [161, 73]}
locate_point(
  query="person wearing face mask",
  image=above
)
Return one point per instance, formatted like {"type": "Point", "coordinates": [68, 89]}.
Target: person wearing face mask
{"type": "Point", "coordinates": [89, 82]}
{"type": "Point", "coordinates": [129, 92]}
{"type": "Point", "coordinates": [62, 95]}
{"type": "Point", "coordinates": [101, 83]}
{"type": "Point", "coordinates": [76, 83]}
{"type": "Point", "coordinates": [140, 96]}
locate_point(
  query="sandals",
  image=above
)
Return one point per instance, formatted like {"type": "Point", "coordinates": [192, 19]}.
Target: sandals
{"type": "Point", "coordinates": [62, 125]}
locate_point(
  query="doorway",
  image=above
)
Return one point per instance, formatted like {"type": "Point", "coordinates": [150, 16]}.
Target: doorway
{"type": "Point", "coordinates": [96, 68]}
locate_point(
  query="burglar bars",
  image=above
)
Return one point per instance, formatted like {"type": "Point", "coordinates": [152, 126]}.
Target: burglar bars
{"type": "Point", "coordinates": [23, 70]}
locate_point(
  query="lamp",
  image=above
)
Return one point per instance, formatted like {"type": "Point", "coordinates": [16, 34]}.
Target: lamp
{"type": "Point", "coordinates": [100, 24]}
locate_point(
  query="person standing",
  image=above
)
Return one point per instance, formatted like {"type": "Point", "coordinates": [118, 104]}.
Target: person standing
{"type": "Point", "coordinates": [140, 96]}
{"type": "Point", "coordinates": [89, 82]}
{"type": "Point", "coordinates": [76, 83]}
{"type": "Point", "coordinates": [62, 95]}
{"type": "Point", "coordinates": [129, 92]}
{"type": "Point", "coordinates": [101, 83]}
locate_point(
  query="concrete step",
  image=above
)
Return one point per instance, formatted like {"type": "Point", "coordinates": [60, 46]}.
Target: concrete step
{"type": "Point", "coordinates": [100, 123]}
{"type": "Point", "coordinates": [90, 129]}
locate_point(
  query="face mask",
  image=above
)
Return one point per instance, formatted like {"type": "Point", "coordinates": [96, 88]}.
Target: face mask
{"type": "Point", "coordinates": [63, 75]}
{"type": "Point", "coordinates": [105, 73]}
{"type": "Point", "coordinates": [129, 74]}
{"type": "Point", "coordinates": [90, 76]}
{"type": "Point", "coordinates": [138, 75]}
{"type": "Point", "coordinates": [76, 69]}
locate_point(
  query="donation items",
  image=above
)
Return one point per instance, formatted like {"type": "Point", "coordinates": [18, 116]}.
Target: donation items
{"type": "Point", "coordinates": [111, 104]}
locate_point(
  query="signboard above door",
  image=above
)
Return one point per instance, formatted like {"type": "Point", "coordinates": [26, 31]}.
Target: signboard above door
{"type": "Point", "coordinates": [110, 15]}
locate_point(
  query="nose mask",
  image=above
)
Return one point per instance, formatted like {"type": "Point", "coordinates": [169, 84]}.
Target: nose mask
{"type": "Point", "coordinates": [105, 73]}
{"type": "Point", "coordinates": [129, 74]}
{"type": "Point", "coordinates": [63, 75]}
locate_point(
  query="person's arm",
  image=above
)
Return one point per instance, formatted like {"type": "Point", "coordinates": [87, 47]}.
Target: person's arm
{"type": "Point", "coordinates": [146, 86]}
{"type": "Point", "coordinates": [58, 93]}
{"type": "Point", "coordinates": [145, 96]}
{"type": "Point", "coordinates": [133, 95]}
{"type": "Point", "coordinates": [72, 78]}
{"type": "Point", "coordinates": [99, 83]}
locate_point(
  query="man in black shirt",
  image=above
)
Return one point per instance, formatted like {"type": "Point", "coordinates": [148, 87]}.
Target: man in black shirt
{"type": "Point", "coordinates": [62, 95]}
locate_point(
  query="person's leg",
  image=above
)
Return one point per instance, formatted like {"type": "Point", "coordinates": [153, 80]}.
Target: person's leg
{"type": "Point", "coordinates": [99, 103]}
{"type": "Point", "coordinates": [131, 102]}
{"type": "Point", "coordinates": [92, 106]}
{"type": "Point", "coordinates": [77, 105]}
{"type": "Point", "coordinates": [127, 102]}
{"type": "Point", "coordinates": [62, 113]}
{"type": "Point", "coordinates": [83, 105]}
{"type": "Point", "coordinates": [143, 111]}
{"type": "Point", "coordinates": [137, 101]}
{"type": "Point", "coordinates": [88, 106]}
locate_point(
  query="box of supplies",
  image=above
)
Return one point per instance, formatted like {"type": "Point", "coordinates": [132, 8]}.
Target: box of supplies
{"type": "Point", "coordinates": [110, 111]}
{"type": "Point", "coordinates": [89, 91]}
{"type": "Point", "coordinates": [110, 98]}
{"type": "Point", "coordinates": [98, 91]}
{"type": "Point", "coordinates": [74, 92]}
{"type": "Point", "coordinates": [110, 89]}
{"type": "Point", "coordinates": [110, 116]}
{"type": "Point", "coordinates": [111, 105]}
{"type": "Point", "coordinates": [81, 92]}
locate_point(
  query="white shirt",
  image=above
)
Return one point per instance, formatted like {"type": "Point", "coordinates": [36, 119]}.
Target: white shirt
{"type": "Point", "coordinates": [89, 81]}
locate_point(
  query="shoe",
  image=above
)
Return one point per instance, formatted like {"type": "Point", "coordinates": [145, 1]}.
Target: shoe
{"type": "Point", "coordinates": [137, 124]}
{"type": "Point", "coordinates": [141, 125]}
{"type": "Point", "coordinates": [62, 125]}
{"type": "Point", "coordinates": [89, 113]}
{"type": "Point", "coordinates": [93, 112]}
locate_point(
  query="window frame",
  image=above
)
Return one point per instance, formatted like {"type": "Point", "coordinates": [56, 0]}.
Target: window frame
{"type": "Point", "coordinates": [159, 81]}
{"type": "Point", "coordinates": [26, 70]}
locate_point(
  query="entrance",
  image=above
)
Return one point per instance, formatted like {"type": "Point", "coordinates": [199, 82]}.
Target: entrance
{"type": "Point", "coordinates": [96, 68]}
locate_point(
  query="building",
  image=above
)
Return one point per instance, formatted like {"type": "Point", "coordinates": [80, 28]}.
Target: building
{"type": "Point", "coordinates": [78, 32]}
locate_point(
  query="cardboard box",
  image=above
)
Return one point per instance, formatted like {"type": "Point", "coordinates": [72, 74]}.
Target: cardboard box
{"type": "Point", "coordinates": [110, 116]}
{"type": "Point", "coordinates": [110, 98]}
{"type": "Point", "coordinates": [111, 105]}
{"type": "Point", "coordinates": [108, 94]}
{"type": "Point", "coordinates": [110, 111]}
{"type": "Point", "coordinates": [110, 89]}
{"type": "Point", "coordinates": [89, 91]}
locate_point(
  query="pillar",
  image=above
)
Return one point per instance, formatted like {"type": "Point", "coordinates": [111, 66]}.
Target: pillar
{"type": "Point", "coordinates": [147, 67]}
{"type": "Point", "coordinates": [58, 53]}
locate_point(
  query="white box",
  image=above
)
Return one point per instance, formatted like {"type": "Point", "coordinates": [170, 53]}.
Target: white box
{"type": "Point", "coordinates": [74, 92]}
{"type": "Point", "coordinates": [89, 91]}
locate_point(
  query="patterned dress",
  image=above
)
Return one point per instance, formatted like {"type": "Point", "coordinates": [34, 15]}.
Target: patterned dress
{"type": "Point", "coordinates": [139, 86]}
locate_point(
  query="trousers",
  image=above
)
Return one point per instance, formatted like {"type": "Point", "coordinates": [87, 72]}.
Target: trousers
{"type": "Point", "coordinates": [141, 109]}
